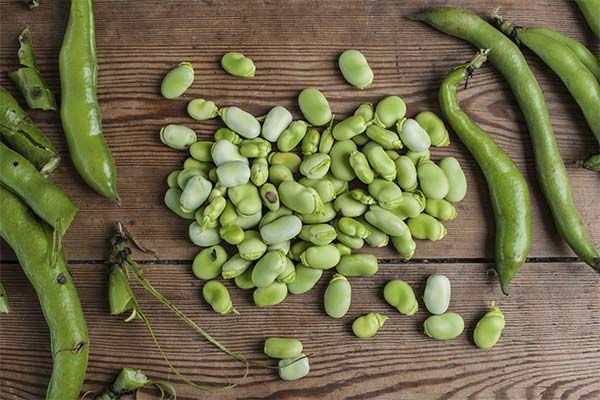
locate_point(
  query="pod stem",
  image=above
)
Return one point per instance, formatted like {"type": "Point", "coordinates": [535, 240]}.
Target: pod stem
{"type": "Point", "coordinates": [506, 27]}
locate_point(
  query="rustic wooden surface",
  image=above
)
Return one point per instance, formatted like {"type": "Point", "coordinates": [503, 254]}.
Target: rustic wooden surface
{"type": "Point", "coordinates": [550, 348]}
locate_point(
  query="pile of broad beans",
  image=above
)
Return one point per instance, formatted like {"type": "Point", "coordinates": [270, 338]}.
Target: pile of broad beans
{"type": "Point", "coordinates": [274, 201]}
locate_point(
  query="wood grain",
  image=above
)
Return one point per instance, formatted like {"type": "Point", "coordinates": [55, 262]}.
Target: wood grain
{"type": "Point", "coordinates": [550, 347]}
{"type": "Point", "coordinates": [294, 45]}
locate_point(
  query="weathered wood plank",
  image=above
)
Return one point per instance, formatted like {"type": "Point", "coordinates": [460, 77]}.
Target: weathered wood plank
{"type": "Point", "coordinates": [550, 348]}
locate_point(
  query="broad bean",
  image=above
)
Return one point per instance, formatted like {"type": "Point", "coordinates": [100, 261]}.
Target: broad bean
{"type": "Point", "coordinates": [276, 121]}
{"type": "Point", "coordinates": [208, 262]}
{"type": "Point", "coordinates": [434, 126]}
{"type": "Point", "coordinates": [389, 110]}
{"type": "Point", "coordinates": [195, 193]}
{"type": "Point", "coordinates": [253, 148]}
{"type": "Point", "coordinates": [227, 134]}
{"type": "Point", "coordinates": [279, 173]}
{"type": "Point", "coordinates": [340, 160]}
{"type": "Point", "coordinates": [288, 275]}
{"type": "Point", "coordinates": [340, 186]}
{"type": "Point", "coordinates": [290, 160]}
{"type": "Point", "coordinates": [291, 369]}
{"type": "Point", "coordinates": [223, 151]}
{"type": "Point", "coordinates": [202, 109]}
{"type": "Point", "coordinates": [245, 198]}
{"type": "Point", "coordinates": [171, 199]}
{"type": "Point", "coordinates": [280, 230]}
{"type": "Point", "coordinates": [355, 69]}
{"type": "Point", "coordinates": [298, 248]}
{"type": "Point", "coordinates": [237, 64]}
{"type": "Point", "coordinates": [404, 245]}
{"type": "Point", "coordinates": [362, 196]}
{"type": "Point", "coordinates": [280, 347]}
{"type": "Point", "coordinates": [424, 226]}
{"type": "Point", "coordinates": [267, 268]}
{"type": "Point", "coordinates": [232, 234]}
{"type": "Point", "coordinates": [178, 137]}
{"type": "Point", "coordinates": [323, 186]}
{"type": "Point", "coordinates": [252, 247]}
{"type": "Point", "coordinates": [320, 257]}
{"type": "Point", "coordinates": [318, 234]}
{"type": "Point", "coordinates": [444, 327]}
{"type": "Point", "coordinates": [172, 178]}
{"type": "Point", "coordinates": [380, 161]}
{"type": "Point", "coordinates": [315, 166]}
{"type": "Point", "coordinates": [346, 205]}
{"type": "Point", "coordinates": [360, 165]}
{"type": "Point", "coordinates": [319, 217]}
{"type": "Point", "coordinates": [457, 181]}
{"type": "Point", "coordinates": [387, 194]}
{"type": "Point", "coordinates": [301, 199]}
{"type": "Point", "coordinates": [351, 242]}
{"type": "Point", "coordinates": [186, 174]}
{"type": "Point", "coordinates": [271, 295]}
{"type": "Point", "coordinates": [177, 81]}
{"type": "Point", "coordinates": [249, 221]}
{"type": "Point", "coordinates": [326, 141]}
{"type": "Point", "coordinates": [244, 281]}
{"type": "Point", "coordinates": [366, 110]}
{"type": "Point", "coordinates": [349, 127]}
{"type": "Point", "coordinates": [386, 221]}
{"type": "Point", "coordinates": [406, 173]}
{"type": "Point", "coordinates": [314, 106]}
{"type": "Point", "coordinates": [366, 326]}
{"type": "Point", "coordinates": [283, 247]}
{"type": "Point", "coordinates": [412, 205]}
{"type": "Point", "coordinates": [229, 215]}
{"type": "Point", "coordinates": [416, 156]}
{"type": "Point", "coordinates": [217, 296]}
{"type": "Point", "coordinates": [291, 136]}
{"type": "Point", "coordinates": [212, 212]}
{"type": "Point", "coordinates": [432, 179]}
{"type": "Point", "coordinates": [437, 294]}
{"type": "Point", "coordinates": [440, 209]}
{"type": "Point", "coordinates": [191, 162]}
{"type": "Point", "coordinates": [306, 279]}
{"type": "Point", "coordinates": [352, 227]}
{"type": "Point", "coordinates": [489, 328]}
{"type": "Point", "coordinates": [385, 138]}
{"type": "Point", "coordinates": [240, 121]}
{"type": "Point", "coordinates": [361, 139]}
{"type": "Point", "coordinates": [235, 266]}
{"type": "Point", "coordinates": [271, 216]}
{"type": "Point", "coordinates": [270, 196]}
{"type": "Point", "coordinates": [401, 296]}
{"type": "Point", "coordinates": [259, 172]}
{"type": "Point", "coordinates": [412, 135]}
{"type": "Point", "coordinates": [338, 296]}
{"type": "Point", "coordinates": [310, 142]}
{"type": "Point", "coordinates": [343, 249]}
{"type": "Point", "coordinates": [376, 237]}
{"type": "Point", "coordinates": [358, 265]}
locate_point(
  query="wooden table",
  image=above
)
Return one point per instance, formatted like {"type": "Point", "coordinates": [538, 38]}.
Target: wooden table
{"type": "Point", "coordinates": [551, 345]}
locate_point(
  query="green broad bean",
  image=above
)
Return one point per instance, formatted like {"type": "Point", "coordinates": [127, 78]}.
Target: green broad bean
{"type": "Point", "coordinates": [202, 110]}
{"type": "Point", "coordinates": [240, 121]}
{"type": "Point", "coordinates": [351, 242]}
{"type": "Point", "coordinates": [435, 128]}
{"type": "Point", "coordinates": [324, 188]}
{"type": "Point", "coordinates": [437, 294]}
{"type": "Point", "coordinates": [406, 173]}
{"type": "Point", "coordinates": [237, 64]}
{"type": "Point", "coordinates": [413, 204]}
{"type": "Point", "coordinates": [186, 174]}
{"type": "Point", "coordinates": [276, 121]}
{"type": "Point", "coordinates": [292, 136]}
{"type": "Point", "coordinates": [416, 157]}
{"type": "Point", "coordinates": [361, 139]}
{"type": "Point", "coordinates": [270, 196]}
{"type": "Point", "coordinates": [245, 198]}
{"type": "Point", "coordinates": [244, 281]}
{"type": "Point", "coordinates": [298, 198]}
{"type": "Point", "coordinates": [208, 262]}
{"type": "Point", "coordinates": [424, 226]}
{"type": "Point", "coordinates": [177, 81]}
{"type": "Point", "coordinates": [203, 237]}
{"type": "Point", "coordinates": [366, 326]}
{"type": "Point", "coordinates": [349, 127]}
{"type": "Point", "coordinates": [252, 247]}
{"type": "Point", "coordinates": [343, 249]}
{"type": "Point", "coordinates": [212, 212]}
{"type": "Point", "coordinates": [320, 257]}
{"type": "Point", "coordinates": [340, 186]}
{"type": "Point", "coordinates": [280, 230]}
{"type": "Point", "coordinates": [288, 275]}
{"type": "Point", "coordinates": [283, 247]}
{"type": "Point", "coordinates": [362, 196]}
{"type": "Point", "coordinates": [201, 150]}
{"type": "Point", "coordinates": [389, 110]}
{"type": "Point", "coordinates": [401, 296]}
{"type": "Point", "coordinates": [376, 237]}
{"type": "Point", "coordinates": [317, 217]}
{"type": "Point", "coordinates": [235, 267]}
{"type": "Point", "coordinates": [440, 209]}
{"type": "Point", "coordinates": [254, 148]}
{"type": "Point", "coordinates": [291, 369]}
{"type": "Point", "coordinates": [199, 216]}
{"type": "Point", "coordinates": [306, 279]}
{"type": "Point", "coordinates": [381, 163]}
{"type": "Point", "coordinates": [385, 138]}
{"type": "Point", "coordinates": [259, 172]}
{"type": "Point", "coordinates": [271, 216]}
{"type": "Point", "coordinates": [355, 69]}
{"type": "Point", "coordinates": [227, 134]}
{"type": "Point", "coordinates": [352, 227]}
{"type": "Point", "coordinates": [444, 327]}
{"type": "Point", "coordinates": [191, 162]}
{"type": "Point", "coordinates": [279, 173]}
{"type": "Point", "coordinates": [318, 234]}
{"type": "Point", "coordinates": [346, 205]}
{"type": "Point", "coordinates": [172, 178]}
{"type": "Point", "coordinates": [217, 296]}
{"type": "Point", "coordinates": [267, 268]}
{"type": "Point", "coordinates": [360, 165]}
{"type": "Point", "coordinates": [195, 193]}
{"type": "Point", "coordinates": [404, 245]}
{"type": "Point", "coordinates": [412, 135]}
{"type": "Point", "coordinates": [249, 221]}
{"type": "Point", "coordinates": [393, 154]}
{"type": "Point", "coordinates": [338, 296]}
{"type": "Point", "coordinates": [366, 110]}
{"type": "Point", "coordinates": [223, 151]}
{"type": "Point", "coordinates": [315, 166]}
{"type": "Point", "coordinates": [489, 328]}
{"type": "Point", "coordinates": [326, 141]}
{"type": "Point", "coordinates": [290, 160]}
{"type": "Point", "coordinates": [171, 199]}
{"type": "Point", "coordinates": [232, 234]}
{"type": "Point", "coordinates": [314, 106]}
{"type": "Point", "coordinates": [358, 265]}
{"type": "Point", "coordinates": [280, 347]}
{"type": "Point", "coordinates": [297, 249]}
{"type": "Point", "coordinates": [432, 180]}
{"type": "Point", "coordinates": [387, 194]}
{"type": "Point", "coordinates": [386, 221]}
{"type": "Point", "coordinates": [310, 142]}
{"type": "Point", "coordinates": [228, 215]}
{"type": "Point", "coordinates": [217, 191]}
{"type": "Point", "coordinates": [178, 137]}
{"type": "Point", "coordinates": [233, 173]}
{"type": "Point", "coordinates": [457, 181]}
{"type": "Point", "coordinates": [340, 160]}
{"type": "Point", "coordinates": [213, 176]}
{"type": "Point", "coordinates": [271, 295]}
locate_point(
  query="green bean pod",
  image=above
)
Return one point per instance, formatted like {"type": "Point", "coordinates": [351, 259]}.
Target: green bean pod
{"type": "Point", "coordinates": [44, 198]}
{"type": "Point", "coordinates": [79, 109]}
{"type": "Point", "coordinates": [551, 172]}
{"type": "Point", "coordinates": [591, 11]}
{"type": "Point", "coordinates": [46, 268]}
{"type": "Point", "coordinates": [18, 131]}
